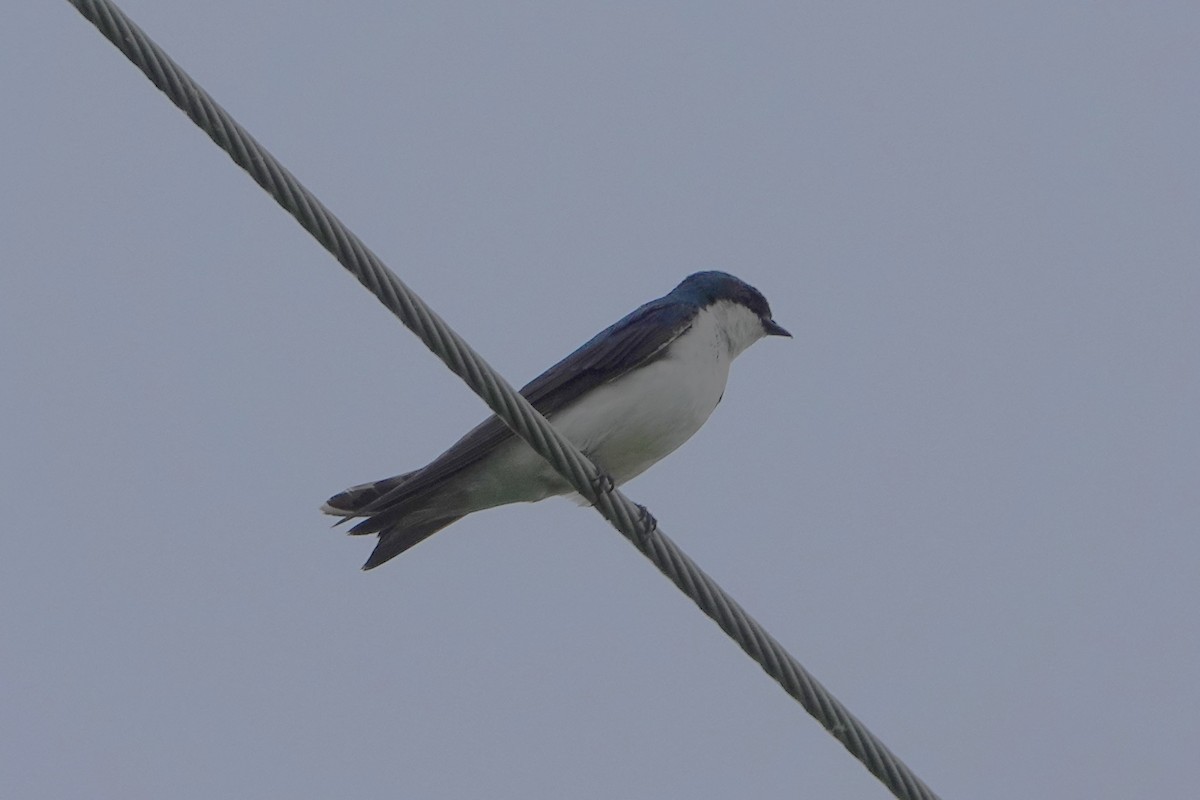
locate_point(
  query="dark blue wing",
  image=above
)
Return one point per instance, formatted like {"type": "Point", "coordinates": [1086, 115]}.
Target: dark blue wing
{"type": "Point", "coordinates": [634, 341]}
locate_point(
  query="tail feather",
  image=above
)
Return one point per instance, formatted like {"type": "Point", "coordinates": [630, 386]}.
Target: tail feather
{"type": "Point", "coordinates": [396, 539]}
{"type": "Point", "coordinates": [382, 514]}
{"type": "Point", "coordinates": [356, 500]}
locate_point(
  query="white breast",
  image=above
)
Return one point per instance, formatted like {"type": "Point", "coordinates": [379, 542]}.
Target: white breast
{"type": "Point", "coordinates": [632, 422]}
{"type": "Point", "coordinates": [628, 424]}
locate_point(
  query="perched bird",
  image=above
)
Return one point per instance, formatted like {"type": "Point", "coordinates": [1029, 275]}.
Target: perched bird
{"type": "Point", "coordinates": [627, 398]}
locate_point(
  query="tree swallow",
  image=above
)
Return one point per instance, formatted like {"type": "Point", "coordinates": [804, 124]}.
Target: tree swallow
{"type": "Point", "coordinates": [627, 398]}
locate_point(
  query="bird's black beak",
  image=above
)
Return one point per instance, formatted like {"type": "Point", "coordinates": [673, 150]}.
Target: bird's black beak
{"type": "Point", "coordinates": [773, 328]}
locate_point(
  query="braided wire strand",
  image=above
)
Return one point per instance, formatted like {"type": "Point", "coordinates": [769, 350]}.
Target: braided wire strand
{"type": "Point", "coordinates": [626, 516]}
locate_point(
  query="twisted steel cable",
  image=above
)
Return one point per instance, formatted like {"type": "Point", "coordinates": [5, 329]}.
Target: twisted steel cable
{"type": "Point", "coordinates": [632, 520]}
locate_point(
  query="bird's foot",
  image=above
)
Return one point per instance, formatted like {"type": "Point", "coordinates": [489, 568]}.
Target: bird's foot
{"type": "Point", "coordinates": [647, 522]}
{"type": "Point", "coordinates": [603, 483]}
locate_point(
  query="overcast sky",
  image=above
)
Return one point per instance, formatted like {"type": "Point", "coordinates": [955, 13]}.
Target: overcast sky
{"type": "Point", "coordinates": [966, 495]}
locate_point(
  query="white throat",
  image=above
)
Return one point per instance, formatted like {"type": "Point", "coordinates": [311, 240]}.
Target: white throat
{"type": "Point", "coordinates": [738, 326]}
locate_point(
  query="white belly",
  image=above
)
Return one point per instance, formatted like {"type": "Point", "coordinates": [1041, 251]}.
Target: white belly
{"type": "Point", "coordinates": [624, 426]}
{"type": "Point", "coordinates": [628, 425]}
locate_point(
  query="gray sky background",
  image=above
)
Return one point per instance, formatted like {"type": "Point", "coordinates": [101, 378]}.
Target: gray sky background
{"type": "Point", "coordinates": [965, 495]}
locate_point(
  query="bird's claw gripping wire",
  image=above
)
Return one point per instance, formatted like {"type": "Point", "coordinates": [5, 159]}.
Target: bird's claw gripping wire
{"type": "Point", "coordinates": [647, 522]}
{"type": "Point", "coordinates": [603, 483]}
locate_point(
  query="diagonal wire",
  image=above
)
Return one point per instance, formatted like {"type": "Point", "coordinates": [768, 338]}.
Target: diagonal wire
{"type": "Point", "coordinates": [632, 520]}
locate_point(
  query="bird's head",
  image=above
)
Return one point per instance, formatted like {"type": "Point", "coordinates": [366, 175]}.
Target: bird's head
{"type": "Point", "coordinates": [742, 310]}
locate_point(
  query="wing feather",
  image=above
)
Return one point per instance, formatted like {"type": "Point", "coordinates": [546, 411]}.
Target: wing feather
{"type": "Point", "coordinates": [634, 341]}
